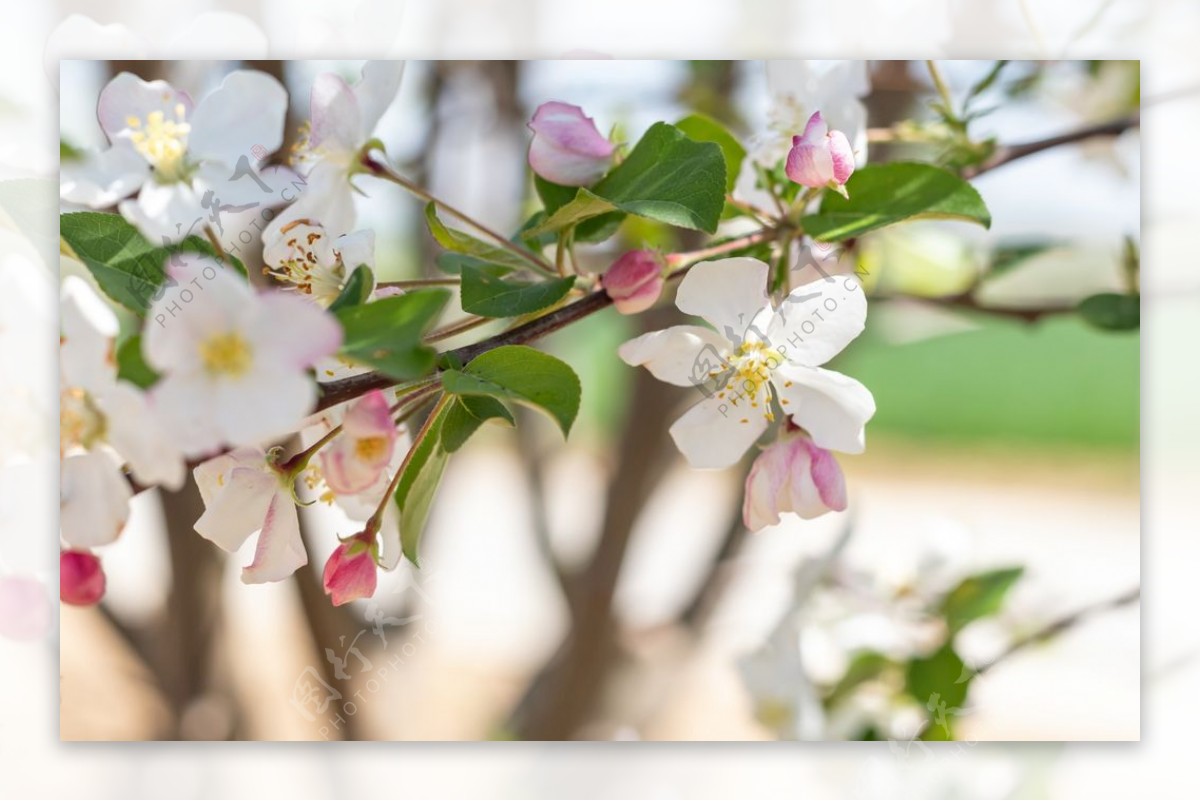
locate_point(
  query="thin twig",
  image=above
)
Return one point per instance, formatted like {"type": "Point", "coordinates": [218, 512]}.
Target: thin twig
{"type": "Point", "coordinates": [1010, 153]}
{"type": "Point", "coordinates": [1063, 624]}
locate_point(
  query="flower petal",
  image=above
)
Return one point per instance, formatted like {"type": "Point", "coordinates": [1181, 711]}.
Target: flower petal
{"type": "Point", "coordinates": [832, 407]}
{"type": "Point", "coordinates": [336, 117]}
{"type": "Point", "coordinates": [375, 92]}
{"type": "Point", "coordinates": [715, 433]}
{"type": "Point", "coordinates": [326, 197]}
{"type": "Point", "coordinates": [356, 249]}
{"type": "Point", "coordinates": [239, 507]}
{"type": "Point", "coordinates": [88, 326]}
{"type": "Point", "coordinates": [842, 155]}
{"type": "Point", "coordinates": [128, 97]}
{"type": "Point", "coordinates": [291, 332]}
{"type": "Point", "coordinates": [93, 500]}
{"type": "Point", "coordinates": [243, 117]}
{"type": "Point", "coordinates": [818, 319]}
{"type": "Point", "coordinates": [684, 355]}
{"type": "Point", "coordinates": [165, 213]}
{"type": "Point", "coordinates": [266, 403]}
{"type": "Point", "coordinates": [100, 179]}
{"type": "Point", "coordinates": [728, 293]}
{"type": "Point", "coordinates": [137, 433]}
{"type": "Point", "coordinates": [185, 402]}
{"type": "Point", "coordinates": [280, 550]}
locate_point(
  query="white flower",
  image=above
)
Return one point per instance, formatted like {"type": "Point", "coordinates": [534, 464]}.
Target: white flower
{"type": "Point", "coordinates": [357, 457]}
{"type": "Point", "coordinates": [243, 494]}
{"type": "Point", "coordinates": [104, 423]}
{"type": "Point", "coordinates": [758, 357]}
{"type": "Point", "coordinates": [304, 258]}
{"type": "Point", "coordinates": [194, 163]}
{"type": "Point", "coordinates": [343, 120]}
{"type": "Point", "coordinates": [234, 362]}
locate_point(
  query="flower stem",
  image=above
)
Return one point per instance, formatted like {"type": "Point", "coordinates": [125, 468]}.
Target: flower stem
{"type": "Point", "coordinates": [385, 171]}
{"type": "Point", "coordinates": [455, 329]}
{"type": "Point", "coordinates": [939, 83]}
{"type": "Point", "coordinates": [681, 261]}
{"type": "Point", "coordinates": [376, 520]}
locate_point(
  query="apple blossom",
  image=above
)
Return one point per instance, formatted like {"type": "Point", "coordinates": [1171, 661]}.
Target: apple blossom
{"type": "Point", "coordinates": [567, 148]}
{"type": "Point", "coordinates": [358, 456]}
{"type": "Point", "coordinates": [81, 579]}
{"type": "Point", "coordinates": [758, 356]}
{"type": "Point", "coordinates": [341, 126]}
{"type": "Point", "coordinates": [634, 281]}
{"type": "Point", "coordinates": [303, 257]}
{"type": "Point", "coordinates": [234, 362]}
{"type": "Point", "coordinates": [792, 475]}
{"type": "Point", "coordinates": [104, 422]}
{"type": "Point", "coordinates": [820, 157]}
{"type": "Point", "coordinates": [195, 162]}
{"type": "Point", "coordinates": [242, 494]}
{"type": "Point", "coordinates": [351, 574]}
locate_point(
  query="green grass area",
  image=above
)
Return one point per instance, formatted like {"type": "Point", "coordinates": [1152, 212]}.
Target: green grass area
{"type": "Point", "coordinates": [1059, 382]}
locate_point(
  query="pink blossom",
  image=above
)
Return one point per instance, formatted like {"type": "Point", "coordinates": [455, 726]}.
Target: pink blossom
{"type": "Point", "coordinates": [350, 573]}
{"type": "Point", "coordinates": [358, 456]}
{"type": "Point", "coordinates": [567, 148]}
{"type": "Point", "coordinates": [820, 157]}
{"type": "Point", "coordinates": [793, 475]}
{"type": "Point", "coordinates": [634, 281]}
{"type": "Point", "coordinates": [80, 578]}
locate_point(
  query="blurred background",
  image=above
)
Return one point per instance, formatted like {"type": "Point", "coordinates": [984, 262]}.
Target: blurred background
{"type": "Point", "coordinates": [601, 589]}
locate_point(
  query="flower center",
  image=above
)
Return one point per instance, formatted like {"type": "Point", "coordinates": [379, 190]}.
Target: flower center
{"type": "Point", "coordinates": [305, 271]}
{"type": "Point", "coordinates": [750, 380]}
{"type": "Point", "coordinates": [162, 140]}
{"type": "Point", "coordinates": [80, 423]}
{"type": "Point", "coordinates": [370, 449]}
{"type": "Point", "coordinates": [227, 355]}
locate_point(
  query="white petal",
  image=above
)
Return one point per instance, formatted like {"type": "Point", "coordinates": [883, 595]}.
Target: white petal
{"type": "Point", "coordinates": [728, 293]}
{"type": "Point", "coordinates": [212, 474]}
{"type": "Point", "coordinates": [326, 197]}
{"type": "Point", "coordinates": [102, 178]}
{"type": "Point", "coordinates": [376, 90]}
{"type": "Point", "coordinates": [185, 402]}
{"type": "Point", "coordinates": [265, 404]}
{"type": "Point", "coordinates": [832, 407]}
{"type": "Point", "coordinates": [685, 355]}
{"type": "Point", "coordinates": [232, 190]}
{"type": "Point", "coordinates": [336, 118]}
{"type": "Point", "coordinates": [357, 248]}
{"type": "Point", "coordinates": [239, 508]}
{"type": "Point", "coordinates": [165, 213]}
{"type": "Point", "coordinates": [817, 320]}
{"type": "Point", "coordinates": [86, 337]}
{"type": "Point", "coordinates": [136, 432]}
{"type": "Point", "coordinates": [243, 117]}
{"type": "Point", "coordinates": [94, 500]}
{"type": "Point", "coordinates": [290, 332]}
{"type": "Point", "coordinates": [280, 549]}
{"type": "Point", "coordinates": [715, 433]}
{"type": "Point", "coordinates": [128, 96]}
{"type": "Point", "coordinates": [201, 298]}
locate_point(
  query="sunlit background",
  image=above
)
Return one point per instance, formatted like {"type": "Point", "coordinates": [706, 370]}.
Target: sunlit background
{"type": "Point", "coordinates": [1057, 492]}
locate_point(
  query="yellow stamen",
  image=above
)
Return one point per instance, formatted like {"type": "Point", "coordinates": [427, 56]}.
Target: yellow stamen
{"type": "Point", "coordinates": [226, 355]}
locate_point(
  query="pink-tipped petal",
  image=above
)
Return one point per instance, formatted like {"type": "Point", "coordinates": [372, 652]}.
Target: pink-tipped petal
{"type": "Point", "coordinates": [567, 148]}
{"type": "Point", "coordinates": [350, 574]}
{"type": "Point", "coordinates": [842, 155]}
{"type": "Point", "coordinates": [634, 281]}
{"type": "Point", "coordinates": [81, 579]}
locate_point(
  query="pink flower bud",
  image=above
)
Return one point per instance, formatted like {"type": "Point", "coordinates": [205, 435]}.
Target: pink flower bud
{"type": "Point", "coordinates": [24, 608]}
{"type": "Point", "coordinates": [80, 578]}
{"type": "Point", "coordinates": [567, 149]}
{"type": "Point", "coordinates": [634, 281]}
{"type": "Point", "coordinates": [355, 459]}
{"type": "Point", "coordinates": [821, 157]}
{"type": "Point", "coordinates": [350, 573]}
{"type": "Point", "coordinates": [793, 475]}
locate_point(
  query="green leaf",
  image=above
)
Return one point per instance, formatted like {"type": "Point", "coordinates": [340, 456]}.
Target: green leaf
{"type": "Point", "coordinates": [582, 207]}
{"type": "Point", "coordinates": [468, 413]}
{"type": "Point", "coordinates": [1110, 311]}
{"type": "Point", "coordinates": [461, 242]}
{"type": "Point", "coordinates": [703, 128]}
{"type": "Point", "coordinates": [132, 366]}
{"type": "Point", "coordinates": [882, 194]}
{"type": "Point", "coordinates": [670, 178]}
{"type": "Point", "coordinates": [588, 229]}
{"type": "Point", "coordinates": [978, 596]}
{"type": "Point", "coordinates": [487, 292]}
{"type": "Point", "coordinates": [520, 373]}
{"type": "Point", "coordinates": [419, 478]}
{"type": "Point", "coordinates": [128, 268]}
{"type": "Point", "coordinates": [386, 333]}
{"type": "Point", "coordinates": [356, 291]}
{"type": "Point", "coordinates": [865, 666]}
{"type": "Point", "coordinates": [939, 683]}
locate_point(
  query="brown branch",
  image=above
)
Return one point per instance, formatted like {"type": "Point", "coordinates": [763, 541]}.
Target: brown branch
{"type": "Point", "coordinates": [1063, 624]}
{"type": "Point", "coordinates": [1006, 154]}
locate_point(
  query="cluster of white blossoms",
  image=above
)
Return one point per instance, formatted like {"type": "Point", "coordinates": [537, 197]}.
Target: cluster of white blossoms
{"type": "Point", "coordinates": [235, 364]}
{"type": "Point", "coordinates": [235, 368]}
